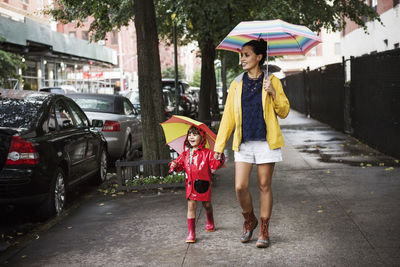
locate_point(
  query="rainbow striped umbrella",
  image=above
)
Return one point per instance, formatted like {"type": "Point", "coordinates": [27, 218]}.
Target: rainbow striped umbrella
{"type": "Point", "coordinates": [283, 38]}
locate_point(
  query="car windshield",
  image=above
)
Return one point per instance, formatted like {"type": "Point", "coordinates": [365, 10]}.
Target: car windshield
{"type": "Point", "coordinates": [95, 105]}
{"type": "Point", "coordinates": [19, 113]}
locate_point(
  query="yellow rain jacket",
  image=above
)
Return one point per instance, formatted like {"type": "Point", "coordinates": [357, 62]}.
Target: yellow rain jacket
{"type": "Point", "coordinates": [232, 117]}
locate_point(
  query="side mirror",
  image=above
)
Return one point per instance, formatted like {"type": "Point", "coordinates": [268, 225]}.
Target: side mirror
{"type": "Point", "coordinates": [97, 123]}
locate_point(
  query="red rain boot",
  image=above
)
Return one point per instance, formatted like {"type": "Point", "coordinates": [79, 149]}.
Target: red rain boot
{"type": "Point", "coordinates": [210, 227]}
{"type": "Point", "coordinates": [191, 238]}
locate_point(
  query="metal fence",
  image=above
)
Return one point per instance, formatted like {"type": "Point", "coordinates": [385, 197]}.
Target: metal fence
{"type": "Point", "coordinates": [126, 170]}
{"type": "Point", "coordinates": [318, 93]}
{"type": "Point", "coordinates": [368, 107]}
{"type": "Point", "coordinates": [375, 94]}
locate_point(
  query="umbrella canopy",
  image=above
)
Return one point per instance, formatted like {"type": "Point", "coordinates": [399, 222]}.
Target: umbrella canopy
{"type": "Point", "coordinates": [283, 38]}
{"type": "Point", "coordinates": [176, 128]}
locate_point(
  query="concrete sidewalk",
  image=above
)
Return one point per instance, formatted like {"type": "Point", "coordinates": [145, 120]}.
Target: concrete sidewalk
{"type": "Point", "coordinates": [336, 203]}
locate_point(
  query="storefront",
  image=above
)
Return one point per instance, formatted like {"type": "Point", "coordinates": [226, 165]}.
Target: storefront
{"type": "Point", "coordinates": [54, 59]}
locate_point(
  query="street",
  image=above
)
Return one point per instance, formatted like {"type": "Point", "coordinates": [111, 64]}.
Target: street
{"type": "Point", "coordinates": [335, 204]}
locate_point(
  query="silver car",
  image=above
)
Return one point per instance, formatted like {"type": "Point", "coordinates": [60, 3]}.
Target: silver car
{"type": "Point", "coordinates": [121, 122]}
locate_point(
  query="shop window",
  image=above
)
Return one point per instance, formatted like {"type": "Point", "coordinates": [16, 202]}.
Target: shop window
{"type": "Point", "coordinates": [338, 49]}
{"type": "Point", "coordinates": [85, 35]}
{"type": "Point", "coordinates": [114, 37]}
{"type": "Point", "coordinates": [374, 4]}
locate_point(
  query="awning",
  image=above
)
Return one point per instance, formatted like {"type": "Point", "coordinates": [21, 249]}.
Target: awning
{"type": "Point", "coordinates": [34, 34]}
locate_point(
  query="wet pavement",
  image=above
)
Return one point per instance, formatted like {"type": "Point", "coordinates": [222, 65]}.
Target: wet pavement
{"type": "Point", "coordinates": [335, 204]}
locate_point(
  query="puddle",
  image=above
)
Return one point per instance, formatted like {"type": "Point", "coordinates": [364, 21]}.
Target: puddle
{"type": "Point", "coordinates": [330, 146]}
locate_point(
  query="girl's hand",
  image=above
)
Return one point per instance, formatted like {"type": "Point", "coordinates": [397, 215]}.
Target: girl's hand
{"type": "Point", "coordinates": [269, 88]}
{"type": "Point", "coordinates": [172, 166]}
{"type": "Point", "coordinates": [217, 156]}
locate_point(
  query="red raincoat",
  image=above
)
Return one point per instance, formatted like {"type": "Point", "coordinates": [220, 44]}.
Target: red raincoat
{"type": "Point", "coordinates": [198, 172]}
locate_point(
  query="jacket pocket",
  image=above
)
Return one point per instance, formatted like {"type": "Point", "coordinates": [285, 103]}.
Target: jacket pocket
{"type": "Point", "coordinates": [201, 186]}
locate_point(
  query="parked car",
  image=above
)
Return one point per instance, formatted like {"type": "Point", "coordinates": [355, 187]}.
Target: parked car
{"type": "Point", "coordinates": [188, 106]}
{"type": "Point", "coordinates": [47, 147]}
{"type": "Point", "coordinates": [121, 125]}
{"type": "Point", "coordinates": [62, 89]}
{"type": "Point", "coordinates": [133, 96]}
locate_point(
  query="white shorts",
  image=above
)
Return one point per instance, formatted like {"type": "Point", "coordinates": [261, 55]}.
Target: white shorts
{"type": "Point", "coordinates": [257, 152]}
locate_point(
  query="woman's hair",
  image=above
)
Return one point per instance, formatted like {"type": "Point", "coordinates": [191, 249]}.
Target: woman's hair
{"type": "Point", "coordinates": [259, 48]}
{"type": "Point", "coordinates": [192, 130]}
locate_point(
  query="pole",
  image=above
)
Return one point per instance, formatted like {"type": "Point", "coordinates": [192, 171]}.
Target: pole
{"type": "Point", "coordinates": [177, 93]}
{"type": "Point", "coordinates": [121, 72]}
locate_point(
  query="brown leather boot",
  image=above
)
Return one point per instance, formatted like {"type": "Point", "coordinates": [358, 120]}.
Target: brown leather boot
{"type": "Point", "coordinates": [263, 236]}
{"type": "Point", "coordinates": [250, 223]}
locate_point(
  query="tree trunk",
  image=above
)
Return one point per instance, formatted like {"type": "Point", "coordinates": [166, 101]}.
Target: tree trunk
{"type": "Point", "coordinates": [208, 82]}
{"type": "Point", "coordinates": [150, 92]}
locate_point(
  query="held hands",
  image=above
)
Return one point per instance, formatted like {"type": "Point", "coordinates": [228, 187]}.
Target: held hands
{"type": "Point", "coordinates": [269, 88]}
{"type": "Point", "coordinates": [217, 156]}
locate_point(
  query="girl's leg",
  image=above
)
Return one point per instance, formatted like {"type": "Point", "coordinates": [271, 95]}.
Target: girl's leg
{"type": "Point", "coordinates": [265, 172]}
{"type": "Point", "coordinates": [210, 227]}
{"type": "Point", "coordinates": [242, 179]}
{"type": "Point", "coordinates": [192, 206]}
{"type": "Point", "coordinates": [191, 220]}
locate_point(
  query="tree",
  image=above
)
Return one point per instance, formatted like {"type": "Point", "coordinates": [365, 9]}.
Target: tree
{"type": "Point", "coordinates": [208, 22]}
{"type": "Point", "coordinates": [113, 14]}
{"type": "Point", "coordinates": [196, 78]}
{"type": "Point", "coordinates": [169, 72]}
{"type": "Point", "coordinates": [9, 64]}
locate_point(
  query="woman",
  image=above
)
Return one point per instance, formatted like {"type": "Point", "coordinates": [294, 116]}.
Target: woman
{"type": "Point", "coordinates": [251, 108]}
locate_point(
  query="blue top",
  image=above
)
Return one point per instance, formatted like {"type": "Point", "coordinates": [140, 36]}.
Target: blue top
{"type": "Point", "coordinates": [253, 125]}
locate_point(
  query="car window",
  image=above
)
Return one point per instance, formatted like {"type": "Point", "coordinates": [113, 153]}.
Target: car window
{"type": "Point", "coordinates": [19, 113]}
{"type": "Point", "coordinates": [64, 117]}
{"type": "Point", "coordinates": [95, 105]}
{"type": "Point", "coordinates": [79, 116]}
{"type": "Point", "coordinates": [49, 125]}
{"type": "Point", "coordinates": [128, 108]}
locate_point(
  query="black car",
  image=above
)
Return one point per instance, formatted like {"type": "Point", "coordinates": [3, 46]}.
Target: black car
{"type": "Point", "coordinates": [187, 104]}
{"type": "Point", "coordinates": [47, 147]}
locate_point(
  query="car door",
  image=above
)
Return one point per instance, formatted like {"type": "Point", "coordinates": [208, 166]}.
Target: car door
{"type": "Point", "coordinates": [73, 141]}
{"type": "Point", "coordinates": [134, 123]}
{"type": "Point", "coordinates": [93, 142]}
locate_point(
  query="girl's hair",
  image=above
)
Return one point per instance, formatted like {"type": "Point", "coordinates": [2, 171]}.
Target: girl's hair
{"type": "Point", "coordinates": [258, 47]}
{"type": "Point", "coordinates": [193, 130]}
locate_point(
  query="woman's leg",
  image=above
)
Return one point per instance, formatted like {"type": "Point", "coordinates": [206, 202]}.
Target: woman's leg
{"type": "Point", "coordinates": [265, 172]}
{"type": "Point", "coordinates": [242, 178]}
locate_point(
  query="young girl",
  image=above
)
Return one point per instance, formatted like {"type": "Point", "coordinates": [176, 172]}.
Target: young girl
{"type": "Point", "coordinates": [197, 161]}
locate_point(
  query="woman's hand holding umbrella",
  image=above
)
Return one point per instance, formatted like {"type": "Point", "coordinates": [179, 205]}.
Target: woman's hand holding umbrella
{"type": "Point", "coordinates": [269, 88]}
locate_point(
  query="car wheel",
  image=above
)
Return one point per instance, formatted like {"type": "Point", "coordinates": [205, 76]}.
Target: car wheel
{"type": "Point", "coordinates": [56, 199]}
{"type": "Point", "coordinates": [129, 151]}
{"type": "Point", "coordinates": [102, 173]}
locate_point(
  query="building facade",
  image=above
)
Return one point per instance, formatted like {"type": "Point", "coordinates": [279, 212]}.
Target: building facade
{"type": "Point", "coordinates": [379, 36]}
{"type": "Point", "coordinates": [51, 58]}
